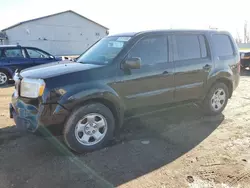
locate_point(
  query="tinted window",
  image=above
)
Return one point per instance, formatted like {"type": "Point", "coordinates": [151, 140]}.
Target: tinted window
{"type": "Point", "coordinates": [151, 50]}
{"type": "Point", "coordinates": [34, 53]}
{"type": "Point", "coordinates": [222, 45]}
{"type": "Point", "coordinates": [13, 53]}
{"type": "Point", "coordinates": [188, 47]}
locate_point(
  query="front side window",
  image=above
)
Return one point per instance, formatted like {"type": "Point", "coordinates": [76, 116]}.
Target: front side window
{"type": "Point", "coordinates": [223, 45]}
{"type": "Point", "coordinates": [34, 53]}
{"type": "Point", "coordinates": [13, 53]}
{"type": "Point", "coordinates": [104, 51]}
{"type": "Point", "coordinates": [151, 50]}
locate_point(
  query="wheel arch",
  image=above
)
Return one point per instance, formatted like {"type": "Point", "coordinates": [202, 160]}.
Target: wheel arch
{"type": "Point", "coordinates": [107, 98]}
{"type": "Point", "coordinates": [118, 115]}
{"type": "Point", "coordinates": [7, 71]}
{"type": "Point", "coordinates": [228, 82]}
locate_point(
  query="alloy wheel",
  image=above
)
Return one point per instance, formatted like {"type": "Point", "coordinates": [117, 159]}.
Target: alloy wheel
{"type": "Point", "coordinates": [218, 99]}
{"type": "Point", "coordinates": [3, 78]}
{"type": "Point", "coordinates": [91, 129]}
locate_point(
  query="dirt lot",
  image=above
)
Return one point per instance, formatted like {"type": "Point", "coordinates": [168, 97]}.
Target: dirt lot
{"type": "Point", "coordinates": [174, 148]}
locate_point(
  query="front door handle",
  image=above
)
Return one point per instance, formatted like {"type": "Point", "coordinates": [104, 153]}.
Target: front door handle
{"type": "Point", "coordinates": [207, 67]}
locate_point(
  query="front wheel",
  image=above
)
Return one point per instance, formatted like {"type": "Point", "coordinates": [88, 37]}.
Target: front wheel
{"type": "Point", "coordinates": [216, 99]}
{"type": "Point", "coordinates": [89, 128]}
{"type": "Point", "coordinates": [3, 78]}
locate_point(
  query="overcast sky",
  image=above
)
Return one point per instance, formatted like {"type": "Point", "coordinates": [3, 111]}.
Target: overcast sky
{"type": "Point", "coordinates": [135, 15]}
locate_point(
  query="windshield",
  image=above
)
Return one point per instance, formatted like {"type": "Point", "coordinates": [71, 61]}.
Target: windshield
{"type": "Point", "coordinates": [104, 51]}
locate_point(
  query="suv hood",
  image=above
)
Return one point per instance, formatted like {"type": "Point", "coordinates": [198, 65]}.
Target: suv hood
{"type": "Point", "coordinates": [55, 69]}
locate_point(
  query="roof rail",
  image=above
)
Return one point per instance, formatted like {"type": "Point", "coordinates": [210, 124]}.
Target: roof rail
{"type": "Point", "coordinates": [10, 45]}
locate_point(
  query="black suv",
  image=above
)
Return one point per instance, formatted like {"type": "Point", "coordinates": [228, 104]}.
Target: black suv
{"type": "Point", "coordinates": [123, 75]}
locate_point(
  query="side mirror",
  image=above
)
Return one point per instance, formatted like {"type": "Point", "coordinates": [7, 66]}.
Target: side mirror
{"type": "Point", "coordinates": [51, 57]}
{"type": "Point", "coordinates": [132, 63]}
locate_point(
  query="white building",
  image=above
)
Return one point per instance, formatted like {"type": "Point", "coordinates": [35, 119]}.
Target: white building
{"type": "Point", "coordinates": [3, 37]}
{"type": "Point", "coordinates": [64, 33]}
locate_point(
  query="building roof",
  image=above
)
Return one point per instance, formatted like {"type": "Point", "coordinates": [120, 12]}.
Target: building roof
{"type": "Point", "coordinates": [3, 35]}
{"type": "Point", "coordinates": [51, 16]}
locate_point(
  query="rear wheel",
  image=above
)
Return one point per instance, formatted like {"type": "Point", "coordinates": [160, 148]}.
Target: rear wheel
{"type": "Point", "coordinates": [3, 78]}
{"type": "Point", "coordinates": [89, 128]}
{"type": "Point", "coordinates": [216, 99]}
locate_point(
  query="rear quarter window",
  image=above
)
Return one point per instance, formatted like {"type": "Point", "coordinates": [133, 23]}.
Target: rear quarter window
{"type": "Point", "coordinates": [223, 45]}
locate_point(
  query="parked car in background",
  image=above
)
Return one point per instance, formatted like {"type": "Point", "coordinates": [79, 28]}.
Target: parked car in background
{"type": "Point", "coordinates": [13, 57]}
{"type": "Point", "coordinates": [245, 58]}
{"type": "Point", "coordinates": [126, 75]}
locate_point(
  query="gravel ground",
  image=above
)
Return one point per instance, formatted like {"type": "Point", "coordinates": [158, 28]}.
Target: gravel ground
{"type": "Point", "coordinates": [174, 148]}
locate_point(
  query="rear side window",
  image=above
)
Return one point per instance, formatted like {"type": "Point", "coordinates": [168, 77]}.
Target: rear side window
{"type": "Point", "coordinates": [223, 45]}
{"type": "Point", "coordinates": [13, 53]}
{"type": "Point", "coordinates": [191, 47]}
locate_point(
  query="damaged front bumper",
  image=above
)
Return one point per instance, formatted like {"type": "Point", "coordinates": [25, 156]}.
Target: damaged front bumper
{"type": "Point", "coordinates": [30, 117]}
{"type": "Point", "coordinates": [25, 116]}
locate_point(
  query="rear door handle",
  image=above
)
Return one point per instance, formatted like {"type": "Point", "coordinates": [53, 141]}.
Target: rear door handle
{"type": "Point", "coordinates": [207, 67]}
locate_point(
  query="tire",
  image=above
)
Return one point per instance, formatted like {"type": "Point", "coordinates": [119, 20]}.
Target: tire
{"type": "Point", "coordinates": [4, 78]}
{"type": "Point", "coordinates": [209, 103]}
{"type": "Point", "coordinates": [81, 124]}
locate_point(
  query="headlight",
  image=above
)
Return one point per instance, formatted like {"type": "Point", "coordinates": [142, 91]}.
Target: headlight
{"type": "Point", "coordinates": [32, 88]}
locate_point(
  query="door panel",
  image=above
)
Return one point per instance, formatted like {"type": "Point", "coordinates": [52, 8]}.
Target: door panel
{"type": "Point", "coordinates": [19, 63]}
{"type": "Point", "coordinates": [192, 66]}
{"type": "Point", "coordinates": [147, 87]}
{"type": "Point", "coordinates": [153, 83]}
{"type": "Point", "coordinates": [190, 78]}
